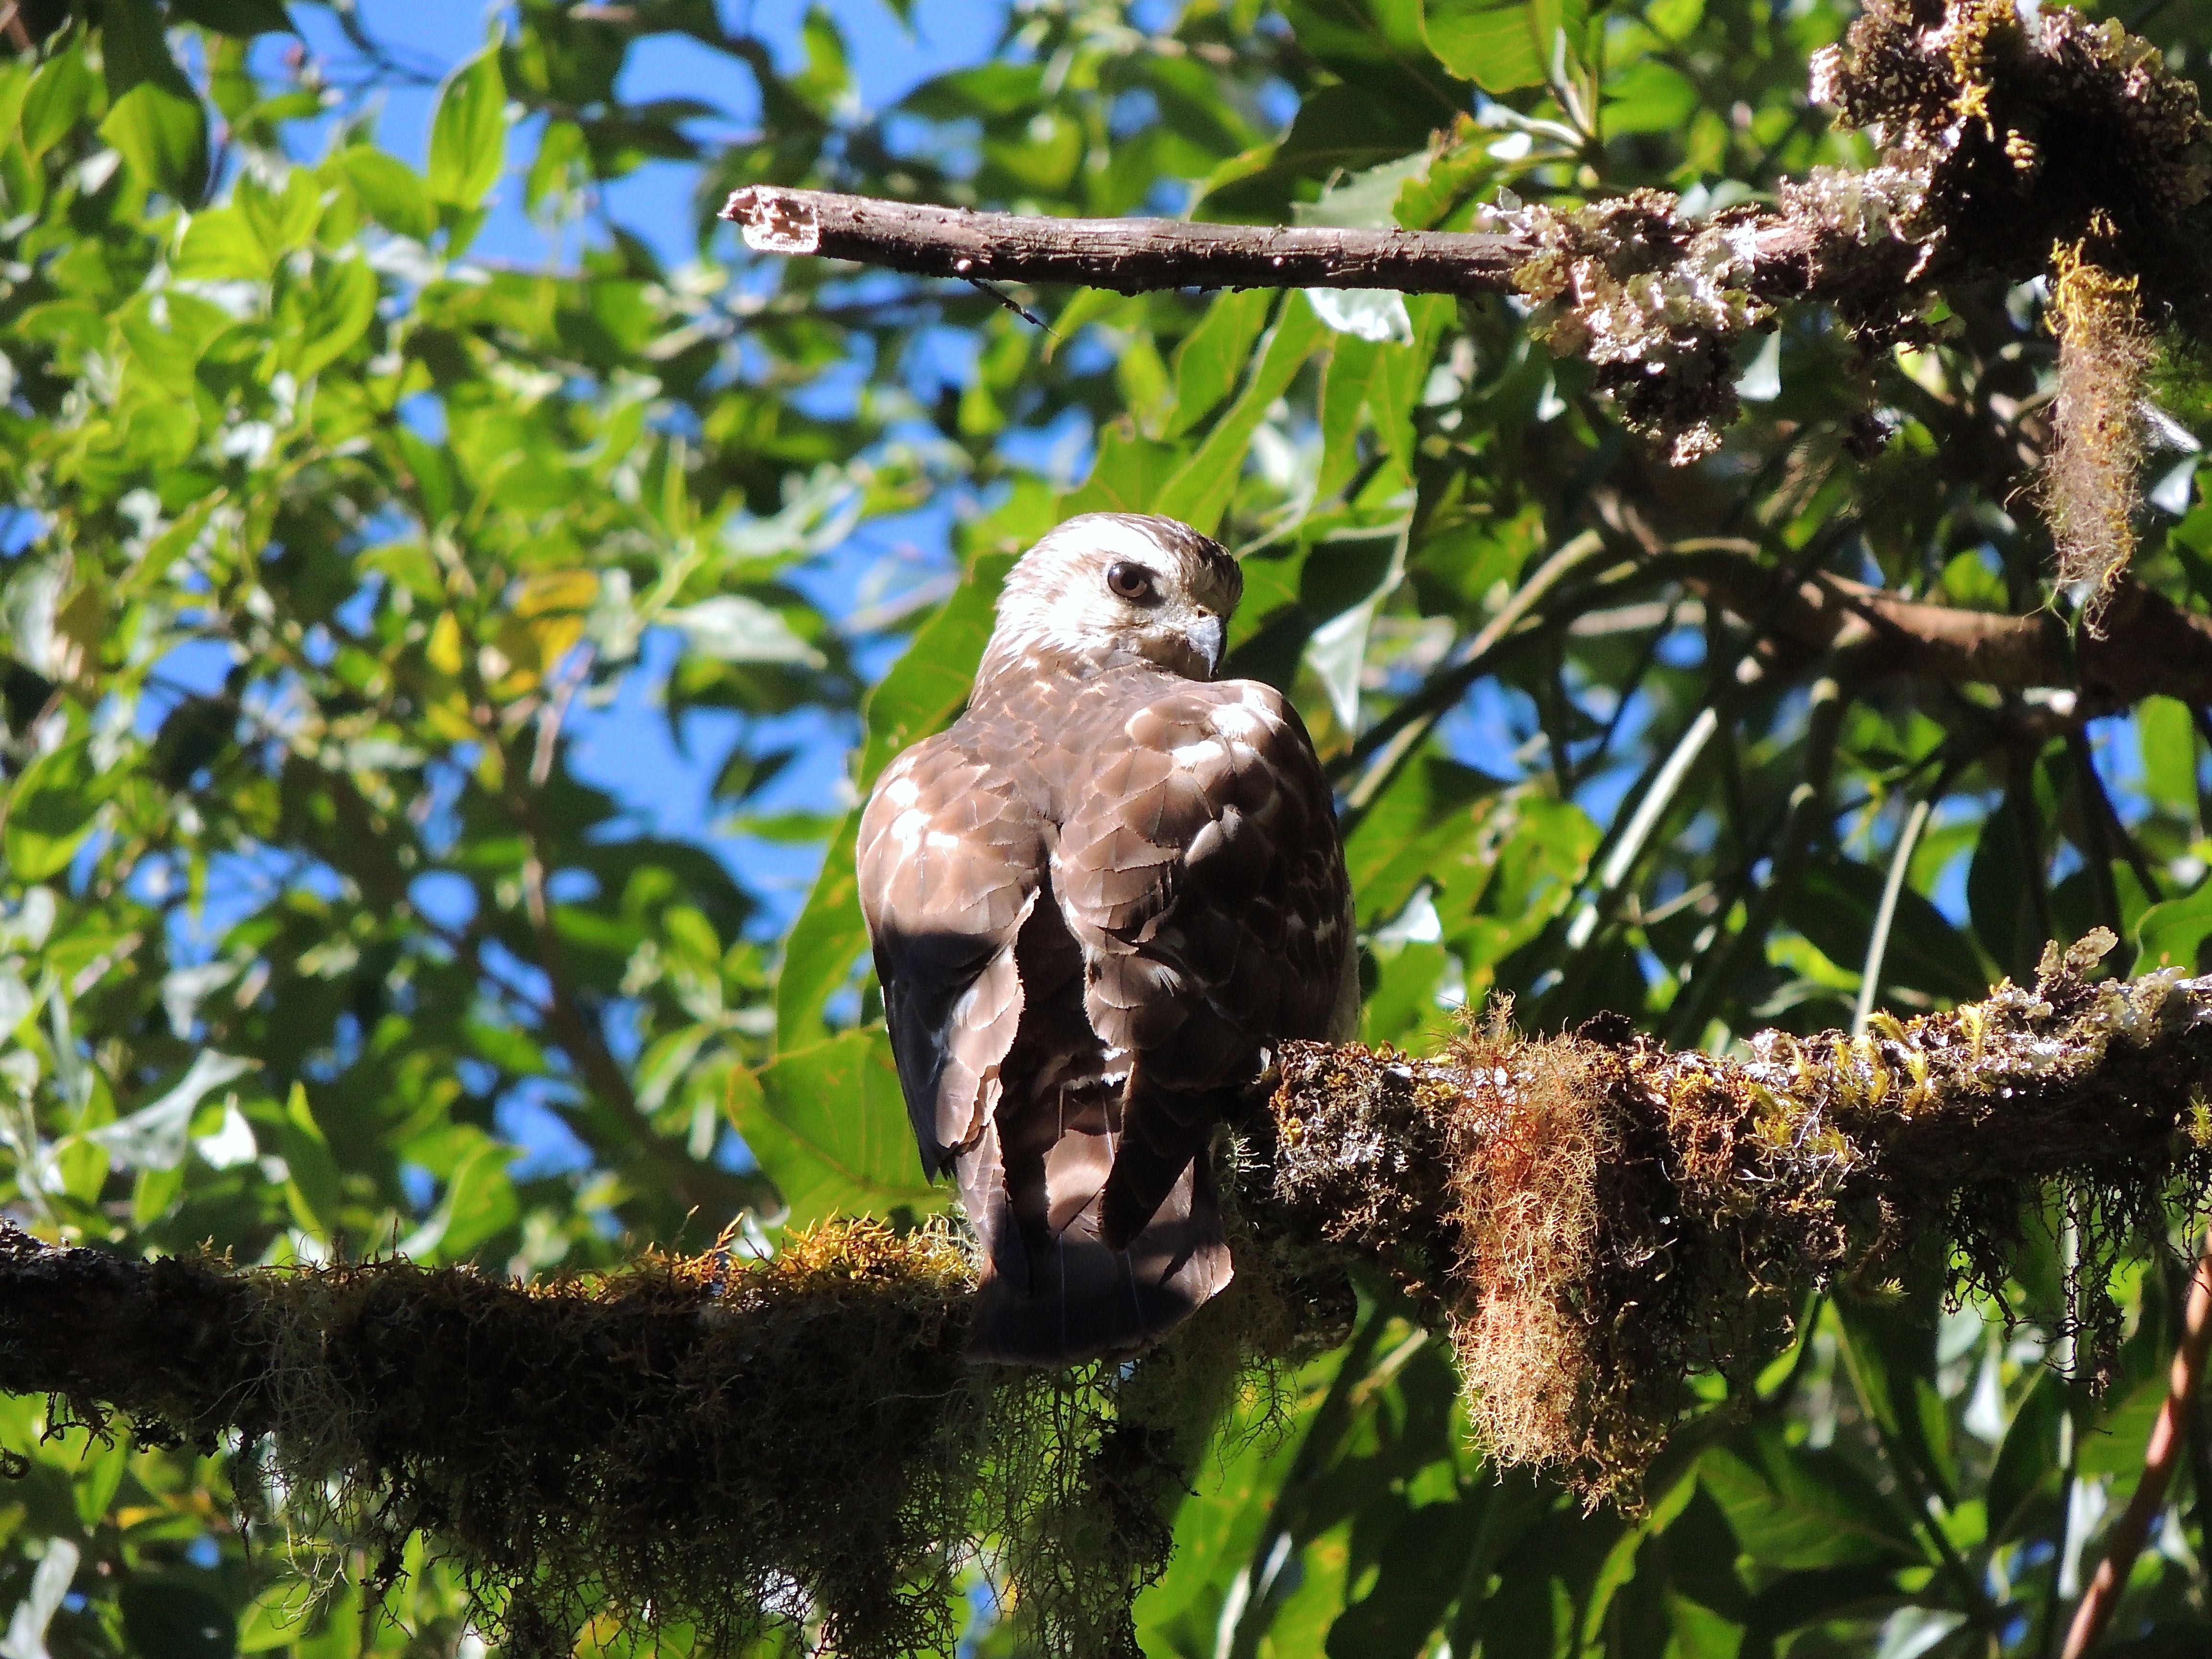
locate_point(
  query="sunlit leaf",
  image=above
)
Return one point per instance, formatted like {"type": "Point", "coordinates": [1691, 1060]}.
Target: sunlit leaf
{"type": "Point", "coordinates": [468, 136]}
{"type": "Point", "coordinates": [1795, 1507]}
{"type": "Point", "coordinates": [392, 192]}
{"type": "Point", "coordinates": [829, 1126]}
{"type": "Point", "coordinates": [50, 810]}
{"type": "Point", "coordinates": [1491, 44]}
{"type": "Point", "coordinates": [162, 134]}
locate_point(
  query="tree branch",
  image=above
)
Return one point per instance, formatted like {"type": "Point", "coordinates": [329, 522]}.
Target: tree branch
{"type": "Point", "coordinates": [1129, 256]}
{"type": "Point", "coordinates": [1656, 300]}
{"type": "Point", "coordinates": [2168, 1435]}
{"type": "Point", "coordinates": [2149, 647]}
{"type": "Point", "coordinates": [1592, 1218]}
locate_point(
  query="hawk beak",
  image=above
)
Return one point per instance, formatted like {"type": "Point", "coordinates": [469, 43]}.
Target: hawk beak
{"type": "Point", "coordinates": [1207, 637]}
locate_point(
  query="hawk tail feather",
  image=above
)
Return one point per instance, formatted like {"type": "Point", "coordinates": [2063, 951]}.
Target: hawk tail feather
{"type": "Point", "coordinates": [1055, 1297]}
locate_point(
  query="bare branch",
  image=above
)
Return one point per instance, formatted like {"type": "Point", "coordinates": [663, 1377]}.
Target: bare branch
{"type": "Point", "coordinates": [2149, 647]}
{"type": "Point", "coordinates": [1129, 256]}
{"type": "Point", "coordinates": [2167, 1436]}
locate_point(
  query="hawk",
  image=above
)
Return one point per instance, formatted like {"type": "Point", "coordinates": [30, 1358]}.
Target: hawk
{"type": "Point", "coordinates": [1099, 902]}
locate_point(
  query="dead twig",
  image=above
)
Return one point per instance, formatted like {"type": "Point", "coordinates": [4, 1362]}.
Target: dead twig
{"type": "Point", "coordinates": [2168, 1438]}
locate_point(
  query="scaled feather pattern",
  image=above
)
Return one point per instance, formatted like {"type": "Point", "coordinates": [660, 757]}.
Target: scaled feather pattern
{"type": "Point", "coordinates": [1100, 902]}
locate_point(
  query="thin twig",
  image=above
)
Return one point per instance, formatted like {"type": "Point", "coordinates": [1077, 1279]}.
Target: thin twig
{"type": "Point", "coordinates": [1130, 256]}
{"type": "Point", "coordinates": [1383, 766]}
{"type": "Point", "coordinates": [2167, 1436]}
{"type": "Point", "coordinates": [993, 291]}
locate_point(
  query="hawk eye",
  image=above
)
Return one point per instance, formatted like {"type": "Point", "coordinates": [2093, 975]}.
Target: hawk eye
{"type": "Point", "coordinates": [1125, 580]}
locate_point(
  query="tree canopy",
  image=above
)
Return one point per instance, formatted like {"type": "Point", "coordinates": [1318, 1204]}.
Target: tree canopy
{"type": "Point", "coordinates": [327, 533]}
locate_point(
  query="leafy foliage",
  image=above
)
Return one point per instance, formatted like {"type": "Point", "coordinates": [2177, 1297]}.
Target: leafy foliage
{"type": "Point", "coordinates": [325, 532]}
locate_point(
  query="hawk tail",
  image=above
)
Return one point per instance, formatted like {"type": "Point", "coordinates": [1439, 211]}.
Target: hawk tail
{"type": "Point", "coordinates": [1056, 1296]}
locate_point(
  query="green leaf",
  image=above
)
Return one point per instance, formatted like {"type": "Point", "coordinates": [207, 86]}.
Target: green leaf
{"type": "Point", "coordinates": [2170, 934]}
{"type": "Point", "coordinates": [312, 1188]}
{"type": "Point", "coordinates": [1420, 1571]}
{"type": "Point", "coordinates": [59, 96]}
{"type": "Point", "coordinates": [2116, 1442]}
{"type": "Point", "coordinates": [162, 136]}
{"type": "Point", "coordinates": [221, 245]}
{"type": "Point", "coordinates": [1620, 1563]}
{"type": "Point", "coordinates": [1128, 475]}
{"type": "Point", "coordinates": [1799, 1506]}
{"type": "Point", "coordinates": [1214, 355]}
{"type": "Point", "coordinates": [177, 1621]}
{"type": "Point", "coordinates": [1650, 97]}
{"type": "Point", "coordinates": [1201, 488]}
{"type": "Point", "coordinates": [2167, 733]}
{"type": "Point", "coordinates": [98, 1478]}
{"type": "Point", "coordinates": [468, 136]}
{"type": "Point", "coordinates": [134, 49]}
{"type": "Point", "coordinates": [1701, 1633]}
{"type": "Point", "coordinates": [479, 1203]}
{"type": "Point", "coordinates": [154, 1137]}
{"type": "Point", "coordinates": [732, 627]}
{"type": "Point", "coordinates": [278, 1616]}
{"type": "Point", "coordinates": [1889, 1350]}
{"type": "Point", "coordinates": [2001, 886]}
{"type": "Point", "coordinates": [390, 191]}
{"type": "Point", "coordinates": [1834, 905]}
{"type": "Point", "coordinates": [2027, 1458]}
{"type": "Point", "coordinates": [49, 812]}
{"type": "Point", "coordinates": [828, 1125]}
{"type": "Point", "coordinates": [1491, 44]}
{"type": "Point", "coordinates": [343, 307]}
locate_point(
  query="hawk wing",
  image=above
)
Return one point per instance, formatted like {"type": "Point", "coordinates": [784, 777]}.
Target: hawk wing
{"type": "Point", "coordinates": [1201, 873]}
{"type": "Point", "coordinates": [949, 861]}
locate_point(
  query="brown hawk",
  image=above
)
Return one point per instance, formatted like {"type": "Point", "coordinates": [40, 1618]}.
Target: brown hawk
{"type": "Point", "coordinates": [1099, 902]}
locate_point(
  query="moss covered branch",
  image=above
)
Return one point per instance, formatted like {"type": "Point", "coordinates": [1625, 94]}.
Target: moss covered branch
{"type": "Point", "coordinates": [1598, 1217]}
{"type": "Point", "coordinates": [1593, 1218]}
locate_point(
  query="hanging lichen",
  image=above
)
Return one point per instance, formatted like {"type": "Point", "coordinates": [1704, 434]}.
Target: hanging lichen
{"type": "Point", "coordinates": [2091, 487]}
{"type": "Point", "coordinates": [1598, 1218]}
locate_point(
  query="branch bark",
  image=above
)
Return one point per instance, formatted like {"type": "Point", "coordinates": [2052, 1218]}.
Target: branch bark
{"type": "Point", "coordinates": [1128, 256]}
{"type": "Point", "coordinates": [2148, 646]}
{"type": "Point", "coordinates": [1657, 300]}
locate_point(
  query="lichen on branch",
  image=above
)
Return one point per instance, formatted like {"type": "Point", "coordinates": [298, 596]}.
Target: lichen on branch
{"type": "Point", "coordinates": [2090, 484]}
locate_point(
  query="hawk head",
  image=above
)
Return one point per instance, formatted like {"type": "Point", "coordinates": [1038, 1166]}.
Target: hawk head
{"type": "Point", "coordinates": [1110, 588]}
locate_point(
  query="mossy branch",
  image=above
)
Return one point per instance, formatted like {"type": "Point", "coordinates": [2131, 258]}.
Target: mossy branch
{"type": "Point", "coordinates": [1593, 1218]}
{"type": "Point", "coordinates": [1598, 1217]}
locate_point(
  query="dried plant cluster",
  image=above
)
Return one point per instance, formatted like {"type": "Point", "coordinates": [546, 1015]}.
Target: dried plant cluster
{"type": "Point", "coordinates": [1593, 1217]}
{"type": "Point", "coordinates": [1596, 1218]}
{"type": "Point", "coordinates": [2092, 475]}
{"type": "Point", "coordinates": [2056, 146]}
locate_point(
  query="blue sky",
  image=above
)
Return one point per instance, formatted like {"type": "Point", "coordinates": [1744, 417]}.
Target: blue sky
{"type": "Point", "coordinates": [626, 747]}
{"type": "Point", "coordinates": [888, 59]}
